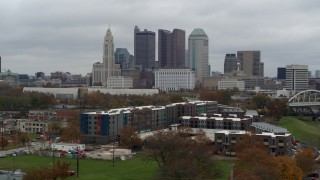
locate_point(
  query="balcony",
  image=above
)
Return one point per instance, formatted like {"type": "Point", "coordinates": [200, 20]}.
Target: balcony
{"type": "Point", "coordinates": [266, 143]}
{"type": "Point", "coordinates": [233, 141]}
{"type": "Point", "coordinates": [280, 144]}
{"type": "Point", "coordinates": [219, 140]}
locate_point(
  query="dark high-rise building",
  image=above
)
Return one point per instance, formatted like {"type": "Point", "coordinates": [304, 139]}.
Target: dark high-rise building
{"type": "Point", "coordinates": [231, 63]}
{"type": "Point", "coordinates": [39, 75]}
{"type": "Point", "coordinates": [23, 79]}
{"type": "Point", "coordinates": [251, 62]}
{"type": "Point", "coordinates": [123, 57]}
{"type": "Point", "coordinates": [171, 48]}
{"type": "Point", "coordinates": [261, 70]}
{"type": "Point", "coordinates": [281, 74]}
{"type": "Point", "coordinates": [144, 48]}
{"type": "Point", "coordinates": [164, 48]}
{"type": "Point", "coordinates": [178, 47]}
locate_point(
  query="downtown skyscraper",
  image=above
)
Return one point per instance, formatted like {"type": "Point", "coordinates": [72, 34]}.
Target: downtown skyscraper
{"type": "Point", "coordinates": [231, 63]}
{"type": "Point", "coordinates": [296, 77]}
{"type": "Point", "coordinates": [199, 55]}
{"type": "Point", "coordinates": [251, 63]}
{"type": "Point", "coordinates": [144, 48]}
{"type": "Point", "coordinates": [171, 48]}
{"type": "Point", "coordinates": [108, 73]}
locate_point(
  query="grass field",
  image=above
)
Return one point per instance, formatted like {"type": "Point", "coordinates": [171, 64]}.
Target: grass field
{"type": "Point", "coordinates": [132, 169]}
{"type": "Point", "coordinates": [307, 131]}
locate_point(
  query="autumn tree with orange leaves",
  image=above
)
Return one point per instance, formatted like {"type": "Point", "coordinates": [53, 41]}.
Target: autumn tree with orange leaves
{"type": "Point", "coordinates": [71, 133]}
{"type": "Point", "coordinates": [129, 138]}
{"type": "Point", "coordinates": [306, 160]}
{"type": "Point", "coordinates": [287, 168]}
{"type": "Point", "coordinates": [255, 162]}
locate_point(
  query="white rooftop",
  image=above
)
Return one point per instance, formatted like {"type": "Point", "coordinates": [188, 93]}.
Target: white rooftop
{"type": "Point", "coordinates": [273, 134]}
{"type": "Point", "coordinates": [269, 127]}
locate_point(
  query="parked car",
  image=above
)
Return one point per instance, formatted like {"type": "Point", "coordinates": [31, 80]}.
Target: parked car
{"type": "Point", "coordinates": [2, 155]}
{"type": "Point", "coordinates": [314, 175]}
{"type": "Point", "coordinates": [17, 173]}
{"type": "Point", "coordinates": [71, 173]}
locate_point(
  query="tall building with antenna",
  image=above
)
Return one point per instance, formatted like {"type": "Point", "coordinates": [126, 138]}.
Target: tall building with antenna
{"type": "Point", "coordinates": [108, 74]}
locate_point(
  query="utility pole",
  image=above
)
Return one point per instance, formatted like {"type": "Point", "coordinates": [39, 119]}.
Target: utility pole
{"type": "Point", "coordinates": [231, 171]}
{"type": "Point", "coordinates": [2, 144]}
{"type": "Point", "coordinates": [78, 161]}
{"type": "Point", "coordinates": [113, 146]}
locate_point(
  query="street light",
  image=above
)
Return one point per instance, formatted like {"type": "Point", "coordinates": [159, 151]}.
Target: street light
{"type": "Point", "coordinates": [2, 129]}
{"type": "Point", "coordinates": [78, 161]}
{"type": "Point", "coordinates": [231, 171]}
{"type": "Point", "coordinates": [113, 141]}
{"type": "Point", "coordinates": [113, 146]}
{"type": "Point", "coordinates": [14, 162]}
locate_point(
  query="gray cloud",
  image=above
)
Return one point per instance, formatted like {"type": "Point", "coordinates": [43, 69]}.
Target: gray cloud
{"type": "Point", "coordinates": [67, 35]}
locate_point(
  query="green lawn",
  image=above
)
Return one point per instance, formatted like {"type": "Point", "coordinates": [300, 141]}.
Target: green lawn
{"type": "Point", "coordinates": [225, 167]}
{"type": "Point", "coordinates": [135, 168]}
{"type": "Point", "coordinates": [307, 132]}
{"type": "Point", "coordinates": [89, 169]}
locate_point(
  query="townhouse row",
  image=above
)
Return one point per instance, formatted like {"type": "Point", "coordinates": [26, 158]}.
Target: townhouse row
{"type": "Point", "coordinates": [225, 141]}
{"type": "Point", "coordinates": [226, 130]}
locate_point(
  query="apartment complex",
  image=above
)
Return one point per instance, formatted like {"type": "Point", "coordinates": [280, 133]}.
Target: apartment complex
{"type": "Point", "coordinates": [103, 127]}
{"type": "Point", "coordinates": [216, 122]}
{"type": "Point", "coordinates": [276, 143]}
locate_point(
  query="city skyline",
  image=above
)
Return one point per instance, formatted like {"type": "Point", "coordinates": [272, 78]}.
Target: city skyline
{"type": "Point", "coordinates": [68, 35]}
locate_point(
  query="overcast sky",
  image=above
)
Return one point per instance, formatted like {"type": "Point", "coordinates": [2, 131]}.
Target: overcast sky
{"type": "Point", "coordinates": [67, 35]}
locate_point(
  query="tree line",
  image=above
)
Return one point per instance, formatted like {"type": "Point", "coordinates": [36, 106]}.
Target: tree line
{"type": "Point", "coordinates": [13, 99]}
